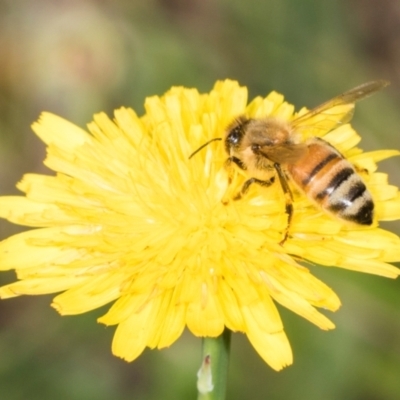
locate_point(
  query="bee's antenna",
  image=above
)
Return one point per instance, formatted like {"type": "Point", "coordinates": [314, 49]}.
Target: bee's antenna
{"type": "Point", "coordinates": [203, 145]}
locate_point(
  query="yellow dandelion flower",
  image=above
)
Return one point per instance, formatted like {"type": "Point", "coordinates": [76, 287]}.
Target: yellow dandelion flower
{"type": "Point", "coordinates": [130, 219]}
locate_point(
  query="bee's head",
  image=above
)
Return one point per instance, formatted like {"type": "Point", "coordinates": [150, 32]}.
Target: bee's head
{"type": "Point", "coordinates": [235, 134]}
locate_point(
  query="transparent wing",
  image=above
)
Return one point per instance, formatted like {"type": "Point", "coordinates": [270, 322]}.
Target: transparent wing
{"type": "Point", "coordinates": [288, 153]}
{"type": "Point", "coordinates": [336, 111]}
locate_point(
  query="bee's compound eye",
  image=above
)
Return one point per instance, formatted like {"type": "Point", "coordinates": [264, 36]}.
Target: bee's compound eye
{"type": "Point", "coordinates": [235, 135]}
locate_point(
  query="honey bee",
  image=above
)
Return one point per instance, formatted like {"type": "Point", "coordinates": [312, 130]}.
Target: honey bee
{"type": "Point", "coordinates": [268, 147]}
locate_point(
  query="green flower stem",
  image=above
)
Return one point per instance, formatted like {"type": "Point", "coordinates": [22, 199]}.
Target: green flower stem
{"type": "Point", "coordinates": [212, 376]}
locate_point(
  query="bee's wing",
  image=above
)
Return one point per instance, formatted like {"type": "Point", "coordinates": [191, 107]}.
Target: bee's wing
{"type": "Point", "coordinates": [336, 111]}
{"type": "Point", "coordinates": [284, 154]}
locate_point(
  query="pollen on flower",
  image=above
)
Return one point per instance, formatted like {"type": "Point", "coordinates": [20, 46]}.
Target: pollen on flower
{"type": "Point", "coordinates": [129, 219]}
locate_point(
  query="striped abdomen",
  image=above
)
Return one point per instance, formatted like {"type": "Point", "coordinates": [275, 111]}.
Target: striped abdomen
{"type": "Point", "coordinates": [331, 181]}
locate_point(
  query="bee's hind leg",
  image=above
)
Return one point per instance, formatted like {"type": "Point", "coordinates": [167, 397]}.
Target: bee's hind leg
{"type": "Point", "coordinates": [288, 200]}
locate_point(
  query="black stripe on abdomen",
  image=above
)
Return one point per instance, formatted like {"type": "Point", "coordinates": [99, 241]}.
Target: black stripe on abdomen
{"type": "Point", "coordinates": [335, 182]}
{"type": "Point", "coordinates": [356, 190]}
{"type": "Point", "coordinates": [364, 215]}
{"type": "Point", "coordinates": [318, 167]}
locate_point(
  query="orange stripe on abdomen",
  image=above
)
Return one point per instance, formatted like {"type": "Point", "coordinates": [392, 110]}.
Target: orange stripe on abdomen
{"type": "Point", "coordinates": [310, 172]}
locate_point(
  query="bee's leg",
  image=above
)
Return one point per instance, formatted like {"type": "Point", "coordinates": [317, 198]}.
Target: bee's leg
{"type": "Point", "coordinates": [288, 198]}
{"type": "Point", "coordinates": [236, 161]}
{"type": "Point", "coordinates": [249, 182]}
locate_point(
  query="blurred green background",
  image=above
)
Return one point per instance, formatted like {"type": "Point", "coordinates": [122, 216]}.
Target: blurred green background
{"type": "Point", "coordinates": [76, 58]}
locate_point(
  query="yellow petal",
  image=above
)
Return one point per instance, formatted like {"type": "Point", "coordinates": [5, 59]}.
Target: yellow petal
{"type": "Point", "coordinates": [204, 317]}
{"type": "Point", "coordinates": [39, 286]}
{"type": "Point", "coordinates": [131, 335]}
{"type": "Point", "coordinates": [375, 267]}
{"type": "Point", "coordinates": [56, 130]}
{"type": "Point", "coordinates": [20, 210]}
{"type": "Point", "coordinates": [23, 250]}
{"type": "Point", "coordinates": [273, 347]}
{"type": "Point", "coordinates": [173, 323]}
{"type": "Point", "coordinates": [93, 293]}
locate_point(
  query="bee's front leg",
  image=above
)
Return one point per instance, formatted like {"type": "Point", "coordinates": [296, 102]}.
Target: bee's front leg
{"type": "Point", "coordinates": [233, 160]}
